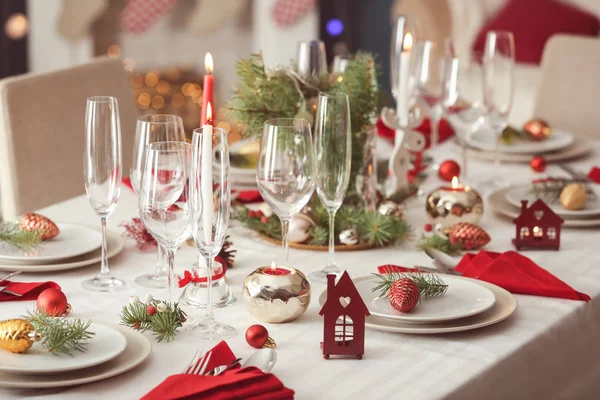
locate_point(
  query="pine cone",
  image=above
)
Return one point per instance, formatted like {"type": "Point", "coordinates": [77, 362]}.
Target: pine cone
{"type": "Point", "coordinates": [227, 255]}
{"type": "Point", "coordinates": [468, 236]}
{"type": "Point", "coordinates": [404, 294]}
{"type": "Point", "coordinates": [34, 222]}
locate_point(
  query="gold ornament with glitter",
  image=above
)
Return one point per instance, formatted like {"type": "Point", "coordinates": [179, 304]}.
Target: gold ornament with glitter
{"type": "Point", "coordinates": [573, 197]}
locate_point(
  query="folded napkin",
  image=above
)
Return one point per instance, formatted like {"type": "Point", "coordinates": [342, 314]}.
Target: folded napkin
{"type": "Point", "coordinates": [594, 174]}
{"type": "Point", "coordinates": [247, 383]}
{"type": "Point", "coordinates": [27, 290]}
{"type": "Point", "coordinates": [249, 196]}
{"type": "Point", "coordinates": [445, 130]}
{"type": "Point", "coordinates": [511, 271]}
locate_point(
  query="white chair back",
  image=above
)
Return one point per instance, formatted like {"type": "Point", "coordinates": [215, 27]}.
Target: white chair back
{"type": "Point", "coordinates": [42, 132]}
{"type": "Point", "coordinates": [568, 94]}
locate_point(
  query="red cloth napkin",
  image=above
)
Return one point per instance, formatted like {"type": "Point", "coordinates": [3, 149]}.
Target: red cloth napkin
{"type": "Point", "coordinates": [594, 174]}
{"type": "Point", "coordinates": [511, 271]}
{"type": "Point", "coordinates": [249, 196]}
{"type": "Point", "coordinates": [247, 383]}
{"type": "Point", "coordinates": [445, 130]}
{"type": "Point", "coordinates": [28, 290]}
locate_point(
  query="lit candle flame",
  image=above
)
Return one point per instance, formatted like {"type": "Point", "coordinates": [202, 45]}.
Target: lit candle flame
{"type": "Point", "coordinates": [407, 43]}
{"type": "Point", "coordinates": [208, 63]}
{"type": "Point", "coordinates": [273, 268]}
{"type": "Point", "coordinates": [208, 112]}
{"type": "Point", "coordinates": [455, 182]}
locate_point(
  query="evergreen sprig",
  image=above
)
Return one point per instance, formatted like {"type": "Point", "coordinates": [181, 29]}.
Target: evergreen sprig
{"type": "Point", "coordinates": [164, 325]}
{"type": "Point", "coordinates": [430, 285]}
{"type": "Point", "coordinates": [13, 234]}
{"type": "Point", "coordinates": [437, 242]}
{"type": "Point", "coordinates": [62, 336]}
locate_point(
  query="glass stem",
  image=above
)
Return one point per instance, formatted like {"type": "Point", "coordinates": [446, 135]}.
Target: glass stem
{"type": "Point", "coordinates": [104, 272]}
{"type": "Point", "coordinates": [332, 237]}
{"type": "Point", "coordinates": [171, 265]}
{"type": "Point", "coordinates": [285, 227]}
{"type": "Point", "coordinates": [435, 134]}
{"type": "Point", "coordinates": [161, 262]}
{"type": "Point", "coordinates": [209, 300]}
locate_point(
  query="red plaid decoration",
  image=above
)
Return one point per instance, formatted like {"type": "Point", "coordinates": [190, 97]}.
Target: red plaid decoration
{"type": "Point", "coordinates": [139, 15]}
{"type": "Point", "coordinates": [288, 12]}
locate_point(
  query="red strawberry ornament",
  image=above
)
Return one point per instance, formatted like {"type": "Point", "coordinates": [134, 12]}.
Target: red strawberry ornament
{"type": "Point", "coordinates": [404, 295]}
{"type": "Point", "coordinates": [36, 222]}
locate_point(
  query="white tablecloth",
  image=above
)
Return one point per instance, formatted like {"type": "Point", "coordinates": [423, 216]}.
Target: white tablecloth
{"type": "Point", "coordinates": [548, 349]}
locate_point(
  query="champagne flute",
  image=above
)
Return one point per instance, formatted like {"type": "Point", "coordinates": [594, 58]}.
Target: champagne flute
{"type": "Point", "coordinates": [499, 81]}
{"type": "Point", "coordinates": [286, 170]}
{"type": "Point", "coordinates": [102, 175]}
{"type": "Point", "coordinates": [428, 69]}
{"type": "Point", "coordinates": [210, 203]}
{"type": "Point", "coordinates": [162, 200]}
{"type": "Point", "coordinates": [333, 150]}
{"type": "Point", "coordinates": [463, 99]}
{"type": "Point", "coordinates": [150, 129]}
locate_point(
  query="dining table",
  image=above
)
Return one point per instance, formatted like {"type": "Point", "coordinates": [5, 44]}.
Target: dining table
{"type": "Point", "coordinates": [549, 348]}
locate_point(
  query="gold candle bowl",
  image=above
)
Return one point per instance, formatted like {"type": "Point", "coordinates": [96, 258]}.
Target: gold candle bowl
{"type": "Point", "coordinates": [449, 205]}
{"type": "Point", "coordinates": [276, 294]}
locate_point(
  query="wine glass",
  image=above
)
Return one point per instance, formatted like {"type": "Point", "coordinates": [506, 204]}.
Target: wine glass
{"type": "Point", "coordinates": [102, 175]}
{"type": "Point", "coordinates": [428, 69]}
{"type": "Point", "coordinates": [209, 202]}
{"type": "Point", "coordinates": [162, 197]}
{"type": "Point", "coordinates": [499, 81]}
{"type": "Point", "coordinates": [150, 129]}
{"type": "Point", "coordinates": [333, 150]}
{"type": "Point", "coordinates": [286, 170]}
{"type": "Point", "coordinates": [463, 99]}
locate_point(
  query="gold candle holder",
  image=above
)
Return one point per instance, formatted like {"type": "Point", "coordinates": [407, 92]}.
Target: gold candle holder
{"type": "Point", "coordinates": [276, 294]}
{"type": "Point", "coordinates": [449, 205]}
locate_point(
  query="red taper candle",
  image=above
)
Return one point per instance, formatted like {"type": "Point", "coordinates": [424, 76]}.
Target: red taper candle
{"type": "Point", "coordinates": [207, 95]}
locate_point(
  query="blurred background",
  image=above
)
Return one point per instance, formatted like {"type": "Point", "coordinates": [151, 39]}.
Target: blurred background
{"type": "Point", "coordinates": [163, 42]}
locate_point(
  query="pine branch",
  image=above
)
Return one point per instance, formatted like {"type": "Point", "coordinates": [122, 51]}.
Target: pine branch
{"type": "Point", "coordinates": [437, 242]}
{"type": "Point", "coordinates": [319, 236]}
{"type": "Point", "coordinates": [163, 324]}
{"type": "Point", "coordinates": [62, 336]}
{"type": "Point", "coordinates": [430, 285]}
{"type": "Point", "coordinates": [12, 234]}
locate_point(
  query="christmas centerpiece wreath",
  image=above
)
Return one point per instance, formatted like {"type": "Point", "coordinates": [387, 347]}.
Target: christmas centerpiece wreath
{"type": "Point", "coordinates": [264, 94]}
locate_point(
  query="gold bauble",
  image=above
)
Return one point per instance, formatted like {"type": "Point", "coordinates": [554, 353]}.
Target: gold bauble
{"type": "Point", "coordinates": [538, 129]}
{"type": "Point", "coordinates": [573, 196]}
{"type": "Point", "coordinates": [448, 206]}
{"type": "Point", "coordinates": [300, 227]}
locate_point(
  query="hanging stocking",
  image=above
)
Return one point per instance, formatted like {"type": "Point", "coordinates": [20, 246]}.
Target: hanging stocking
{"type": "Point", "coordinates": [210, 15]}
{"type": "Point", "coordinates": [289, 12]}
{"type": "Point", "coordinates": [77, 16]}
{"type": "Point", "coordinates": [139, 15]}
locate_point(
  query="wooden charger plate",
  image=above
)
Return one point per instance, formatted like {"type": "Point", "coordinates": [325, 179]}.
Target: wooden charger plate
{"type": "Point", "coordinates": [339, 247]}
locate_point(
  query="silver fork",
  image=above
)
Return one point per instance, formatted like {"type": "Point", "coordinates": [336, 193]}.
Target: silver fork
{"type": "Point", "coordinates": [3, 287]}
{"type": "Point", "coordinates": [199, 363]}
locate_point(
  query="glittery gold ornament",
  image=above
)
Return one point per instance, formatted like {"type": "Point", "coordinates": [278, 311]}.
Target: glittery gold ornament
{"type": "Point", "coordinates": [537, 129]}
{"type": "Point", "coordinates": [17, 335]}
{"type": "Point", "coordinates": [391, 208]}
{"type": "Point", "coordinates": [573, 196]}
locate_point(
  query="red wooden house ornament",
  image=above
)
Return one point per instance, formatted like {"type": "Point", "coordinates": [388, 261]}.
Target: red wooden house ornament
{"type": "Point", "coordinates": [345, 313]}
{"type": "Point", "coordinates": [537, 227]}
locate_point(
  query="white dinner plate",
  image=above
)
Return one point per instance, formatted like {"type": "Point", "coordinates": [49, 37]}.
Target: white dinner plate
{"type": "Point", "coordinates": [485, 139]}
{"type": "Point", "coordinates": [137, 350]}
{"type": "Point", "coordinates": [463, 298]}
{"type": "Point", "coordinates": [523, 192]}
{"type": "Point", "coordinates": [106, 344]}
{"type": "Point", "coordinates": [73, 240]}
{"type": "Point", "coordinates": [114, 243]}
{"type": "Point", "coordinates": [578, 149]}
{"type": "Point", "coordinates": [505, 306]}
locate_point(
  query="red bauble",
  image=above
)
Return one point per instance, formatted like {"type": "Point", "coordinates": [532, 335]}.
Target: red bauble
{"type": "Point", "coordinates": [468, 235]}
{"type": "Point", "coordinates": [448, 170]}
{"type": "Point", "coordinates": [151, 310]}
{"type": "Point", "coordinates": [404, 294]}
{"type": "Point", "coordinates": [36, 222]}
{"type": "Point", "coordinates": [538, 164]}
{"type": "Point", "coordinates": [428, 228]}
{"type": "Point", "coordinates": [257, 336]}
{"type": "Point", "coordinates": [52, 302]}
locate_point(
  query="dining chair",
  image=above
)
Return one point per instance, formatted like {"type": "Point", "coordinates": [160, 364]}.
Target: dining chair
{"type": "Point", "coordinates": [568, 95]}
{"type": "Point", "coordinates": [42, 132]}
